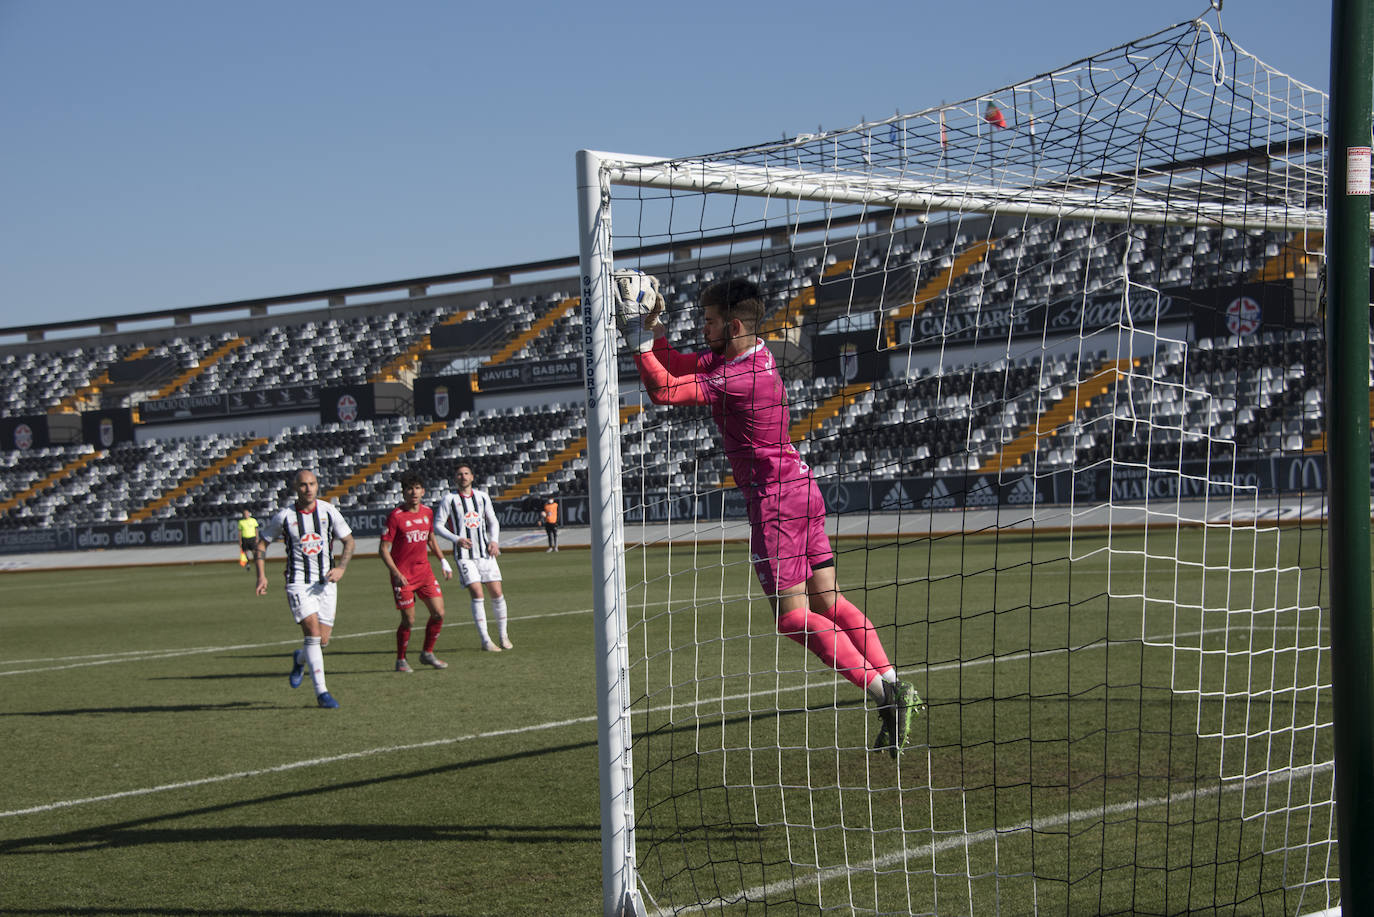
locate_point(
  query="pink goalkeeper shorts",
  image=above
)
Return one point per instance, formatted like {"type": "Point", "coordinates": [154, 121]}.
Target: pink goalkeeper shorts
{"type": "Point", "coordinates": [787, 539]}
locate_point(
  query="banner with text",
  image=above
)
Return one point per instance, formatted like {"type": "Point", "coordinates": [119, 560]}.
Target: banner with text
{"type": "Point", "coordinates": [530, 374]}
{"type": "Point", "coordinates": [282, 400]}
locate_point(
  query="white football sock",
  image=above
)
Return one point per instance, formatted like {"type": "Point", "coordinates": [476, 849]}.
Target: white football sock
{"type": "Point", "coordinates": [479, 617]}
{"type": "Point", "coordinates": [498, 605]}
{"type": "Point", "coordinates": [875, 690]}
{"type": "Point", "coordinates": [314, 660]}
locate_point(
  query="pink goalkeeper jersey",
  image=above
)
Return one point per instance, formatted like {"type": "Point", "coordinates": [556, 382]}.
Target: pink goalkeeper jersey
{"type": "Point", "coordinates": [749, 404]}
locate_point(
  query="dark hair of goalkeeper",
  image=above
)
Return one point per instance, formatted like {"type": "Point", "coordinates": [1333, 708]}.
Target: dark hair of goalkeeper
{"type": "Point", "coordinates": [736, 298]}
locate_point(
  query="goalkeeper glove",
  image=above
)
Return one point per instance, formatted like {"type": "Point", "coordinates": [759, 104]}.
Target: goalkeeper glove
{"type": "Point", "coordinates": [638, 304]}
{"type": "Point", "coordinates": [638, 335]}
{"type": "Point", "coordinates": [636, 294]}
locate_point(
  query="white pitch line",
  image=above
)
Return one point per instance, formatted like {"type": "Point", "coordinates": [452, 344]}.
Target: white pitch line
{"type": "Point", "coordinates": [388, 749]}
{"type": "Point", "coordinates": [293, 765]}
{"type": "Point", "coordinates": [763, 892]}
{"type": "Point", "coordinates": [94, 659]}
{"type": "Point", "coordinates": [148, 655]}
{"type": "Point", "coordinates": [696, 704]}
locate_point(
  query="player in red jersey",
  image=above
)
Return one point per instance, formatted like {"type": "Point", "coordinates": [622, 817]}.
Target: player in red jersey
{"type": "Point", "coordinates": [405, 547]}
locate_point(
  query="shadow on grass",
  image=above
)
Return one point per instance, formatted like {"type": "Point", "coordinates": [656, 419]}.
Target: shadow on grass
{"type": "Point", "coordinates": [139, 832]}
{"type": "Point", "coordinates": [150, 708]}
{"type": "Point", "coordinates": [194, 912]}
{"type": "Point", "coordinates": [388, 651]}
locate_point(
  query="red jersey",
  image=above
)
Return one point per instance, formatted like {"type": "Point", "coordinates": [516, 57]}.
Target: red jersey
{"type": "Point", "coordinates": [408, 534]}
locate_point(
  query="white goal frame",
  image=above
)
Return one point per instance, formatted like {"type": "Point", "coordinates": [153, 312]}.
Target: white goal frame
{"type": "Point", "coordinates": [1147, 195]}
{"type": "Point", "coordinates": [597, 172]}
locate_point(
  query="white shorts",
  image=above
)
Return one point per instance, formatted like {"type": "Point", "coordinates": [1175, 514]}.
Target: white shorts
{"type": "Point", "coordinates": [306, 599]}
{"type": "Point", "coordinates": [484, 570]}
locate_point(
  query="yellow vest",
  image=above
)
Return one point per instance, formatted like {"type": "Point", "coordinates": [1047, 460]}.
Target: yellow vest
{"type": "Point", "coordinates": [248, 528]}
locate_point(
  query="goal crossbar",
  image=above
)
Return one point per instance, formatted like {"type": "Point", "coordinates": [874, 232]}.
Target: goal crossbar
{"type": "Point", "coordinates": [1120, 204]}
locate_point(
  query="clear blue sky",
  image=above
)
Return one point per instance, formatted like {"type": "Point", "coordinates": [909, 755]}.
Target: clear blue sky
{"type": "Point", "coordinates": [164, 153]}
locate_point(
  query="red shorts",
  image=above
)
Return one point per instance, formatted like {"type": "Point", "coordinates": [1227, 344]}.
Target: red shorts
{"type": "Point", "coordinates": [422, 583]}
{"type": "Point", "coordinates": [787, 535]}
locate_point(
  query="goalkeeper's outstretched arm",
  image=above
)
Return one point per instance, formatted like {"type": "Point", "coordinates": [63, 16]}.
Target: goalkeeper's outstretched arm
{"type": "Point", "coordinates": [662, 386]}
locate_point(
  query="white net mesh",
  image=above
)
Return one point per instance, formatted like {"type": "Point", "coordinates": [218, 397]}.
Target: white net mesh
{"type": "Point", "coordinates": [1052, 356]}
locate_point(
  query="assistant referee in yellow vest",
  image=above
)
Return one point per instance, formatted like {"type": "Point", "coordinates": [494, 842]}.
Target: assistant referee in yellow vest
{"type": "Point", "coordinates": [248, 539]}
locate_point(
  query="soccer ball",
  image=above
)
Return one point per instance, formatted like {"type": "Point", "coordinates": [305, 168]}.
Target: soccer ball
{"type": "Point", "coordinates": [636, 293]}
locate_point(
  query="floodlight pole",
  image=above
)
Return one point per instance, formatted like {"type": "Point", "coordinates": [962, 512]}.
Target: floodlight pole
{"type": "Point", "coordinates": [1347, 439]}
{"type": "Point", "coordinates": [619, 888]}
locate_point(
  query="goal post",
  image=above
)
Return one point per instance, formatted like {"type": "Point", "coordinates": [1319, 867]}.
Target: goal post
{"type": "Point", "coordinates": [620, 897]}
{"type": "Point", "coordinates": [1348, 294]}
{"type": "Point", "coordinates": [1053, 358]}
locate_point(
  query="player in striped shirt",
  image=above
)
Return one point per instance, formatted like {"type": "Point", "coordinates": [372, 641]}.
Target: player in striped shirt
{"type": "Point", "coordinates": [309, 527]}
{"type": "Point", "coordinates": [739, 380]}
{"type": "Point", "coordinates": [467, 519]}
{"type": "Point", "coordinates": [405, 546]}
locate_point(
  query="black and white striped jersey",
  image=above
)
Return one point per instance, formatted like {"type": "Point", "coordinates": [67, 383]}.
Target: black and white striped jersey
{"type": "Point", "coordinates": [470, 517]}
{"type": "Point", "coordinates": [309, 535]}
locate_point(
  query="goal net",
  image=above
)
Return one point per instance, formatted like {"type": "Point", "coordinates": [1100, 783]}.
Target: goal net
{"type": "Point", "coordinates": [1053, 357]}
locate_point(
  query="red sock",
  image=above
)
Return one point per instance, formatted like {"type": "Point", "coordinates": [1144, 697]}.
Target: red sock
{"type": "Point", "coordinates": [861, 633]}
{"type": "Point", "coordinates": [830, 644]}
{"type": "Point", "coordinates": [402, 640]}
{"type": "Point", "coordinates": [432, 633]}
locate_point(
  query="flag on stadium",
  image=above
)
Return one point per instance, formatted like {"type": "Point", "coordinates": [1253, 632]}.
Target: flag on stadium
{"type": "Point", "coordinates": [944, 140]}
{"type": "Point", "coordinates": [993, 115]}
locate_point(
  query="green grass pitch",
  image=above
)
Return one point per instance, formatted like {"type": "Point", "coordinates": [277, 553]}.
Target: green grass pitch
{"type": "Point", "coordinates": [165, 690]}
{"type": "Point", "coordinates": [158, 763]}
{"type": "Point", "coordinates": [1096, 686]}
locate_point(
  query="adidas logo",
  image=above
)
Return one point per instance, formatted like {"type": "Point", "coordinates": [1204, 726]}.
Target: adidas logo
{"type": "Point", "coordinates": [896, 498]}
{"type": "Point", "coordinates": [981, 494]}
{"type": "Point", "coordinates": [1024, 491]}
{"type": "Point", "coordinates": [939, 496]}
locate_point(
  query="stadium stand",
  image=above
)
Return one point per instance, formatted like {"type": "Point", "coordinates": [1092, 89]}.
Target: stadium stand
{"type": "Point", "coordinates": [950, 412]}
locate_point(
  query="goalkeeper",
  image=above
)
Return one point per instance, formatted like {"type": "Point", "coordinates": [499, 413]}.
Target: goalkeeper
{"type": "Point", "coordinates": [792, 558]}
